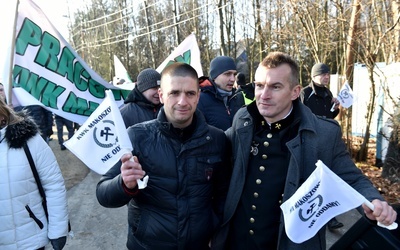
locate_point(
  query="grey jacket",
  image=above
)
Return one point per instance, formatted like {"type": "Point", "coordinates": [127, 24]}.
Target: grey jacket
{"type": "Point", "coordinates": [317, 139]}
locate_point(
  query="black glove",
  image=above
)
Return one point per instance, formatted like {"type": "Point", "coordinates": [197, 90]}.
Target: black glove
{"type": "Point", "coordinates": [59, 243]}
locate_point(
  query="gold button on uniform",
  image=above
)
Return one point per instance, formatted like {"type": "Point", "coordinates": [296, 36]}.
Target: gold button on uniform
{"type": "Point", "coordinates": [252, 220]}
{"type": "Point", "coordinates": [258, 181]}
{"type": "Point", "coordinates": [253, 207]}
{"type": "Point", "coordinates": [264, 157]}
{"type": "Point", "coordinates": [262, 168]}
{"type": "Point", "coordinates": [251, 232]}
{"type": "Point", "coordinates": [269, 135]}
{"type": "Point", "coordinates": [255, 195]}
{"type": "Point", "coordinates": [266, 144]}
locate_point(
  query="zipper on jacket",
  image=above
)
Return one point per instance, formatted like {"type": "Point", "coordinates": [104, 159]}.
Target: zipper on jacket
{"type": "Point", "coordinates": [32, 215]}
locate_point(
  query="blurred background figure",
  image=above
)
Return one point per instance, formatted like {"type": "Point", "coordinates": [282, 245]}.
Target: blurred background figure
{"type": "Point", "coordinates": [42, 117]}
{"type": "Point", "coordinates": [60, 123]}
{"type": "Point", "coordinates": [246, 88]}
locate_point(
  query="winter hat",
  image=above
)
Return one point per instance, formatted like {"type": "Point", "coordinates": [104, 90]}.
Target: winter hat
{"type": "Point", "coordinates": [241, 79]}
{"type": "Point", "coordinates": [147, 79]}
{"type": "Point", "coordinates": [221, 64]}
{"type": "Point", "coordinates": [319, 69]}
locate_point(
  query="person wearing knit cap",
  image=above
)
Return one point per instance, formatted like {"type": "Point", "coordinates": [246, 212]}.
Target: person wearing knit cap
{"type": "Point", "coordinates": [320, 100]}
{"type": "Point", "coordinates": [317, 95]}
{"type": "Point", "coordinates": [143, 102]}
{"type": "Point", "coordinates": [219, 100]}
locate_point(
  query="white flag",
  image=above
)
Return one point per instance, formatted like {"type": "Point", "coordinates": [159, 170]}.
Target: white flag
{"type": "Point", "coordinates": [102, 140]}
{"type": "Point", "coordinates": [187, 52]}
{"type": "Point", "coordinates": [120, 71]}
{"type": "Point", "coordinates": [320, 198]}
{"type": "Point", "coordinates": [345, 96]}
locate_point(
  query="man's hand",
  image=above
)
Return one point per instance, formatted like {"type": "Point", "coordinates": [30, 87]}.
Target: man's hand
{"type": "Point", "coordinates": [383, 213]}
{"type": "Point", "coordinates": [336, 102]}
{"type": "Point", "coordinates": [131, 170]}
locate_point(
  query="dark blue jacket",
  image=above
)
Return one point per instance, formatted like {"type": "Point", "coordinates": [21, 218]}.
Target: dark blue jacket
{"type": "Point", "coordinates": [41, 116]}
{"type": "Point", "coordinates": [212, 105]}
{"type": "Point", "coordinates": [183, 202]}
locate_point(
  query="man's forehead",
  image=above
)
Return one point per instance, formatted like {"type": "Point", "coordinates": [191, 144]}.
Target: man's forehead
{"type": "Point", "coordinates": [181, 84]}
{"type": "Point", "coordinates": [261, 74]}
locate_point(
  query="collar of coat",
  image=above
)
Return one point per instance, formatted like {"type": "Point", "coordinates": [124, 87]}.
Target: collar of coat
{"type": "Point", "coordinates": [302, 115]}
{"type": "Point", "coordinates": [19, 133]}
{"type": "Point", "coordinates": [319, 90]}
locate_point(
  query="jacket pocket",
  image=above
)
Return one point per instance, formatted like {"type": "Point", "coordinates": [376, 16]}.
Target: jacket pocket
{"type": "Point", "coordinates": [206, 166]}
{"type": "Point", "coordinates": [33, 216]}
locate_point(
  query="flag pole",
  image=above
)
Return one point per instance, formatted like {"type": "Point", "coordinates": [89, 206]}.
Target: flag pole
{"type": "Point", "coordinates": [12, 53]}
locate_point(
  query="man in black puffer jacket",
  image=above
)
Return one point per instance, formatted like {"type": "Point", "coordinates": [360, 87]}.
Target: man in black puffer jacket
{"type": "Point", "coordinates": [143, 102]}
{"type": "Point", "coordinates": [187, 162]}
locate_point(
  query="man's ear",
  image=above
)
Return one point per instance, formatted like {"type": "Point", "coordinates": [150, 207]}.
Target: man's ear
{"type": "Point", "coordinates": [160, 95]}
{"type": "Point", "coordinates": [296, 92]}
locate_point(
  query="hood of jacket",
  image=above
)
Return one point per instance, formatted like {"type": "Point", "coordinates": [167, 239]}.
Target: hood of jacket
{"type": "Point", "coordinates": [19, 133]}
{"type": "Point", "coordinates": [206, 84]}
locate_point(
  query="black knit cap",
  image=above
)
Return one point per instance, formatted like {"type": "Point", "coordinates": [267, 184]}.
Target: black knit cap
{"type": "Point", "coordinates": [147, 79]}
{"type": "Point", "coordinates": [319, 68]}
{"type": "Point", "coordinates": [221, 64]}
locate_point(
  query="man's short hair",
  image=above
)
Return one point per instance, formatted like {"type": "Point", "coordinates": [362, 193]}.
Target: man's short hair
{"type": "Point", "coordinates": [180, 69]}
{"type": "Point", "coordinates": [275, 59]}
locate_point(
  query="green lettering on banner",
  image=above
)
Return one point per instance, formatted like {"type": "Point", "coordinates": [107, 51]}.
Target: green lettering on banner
{"type": "Point", "coordinates": [66, 64]}
{"type": "Point", "coordinates": [47, 55]}
{"type": "Point", "coordinates": [96, 89]}
{"type": "Point", "coordinates": [79, 71]}
{"type": "Point", "coordinates": [29, 34]}
{"type": "Point", "coordinates": [42, 89]}
{"type": "Point", "coordinates": [80, 106]}
{"type": "Point", "coordinates": [120, 93]}
{"type": "Point", "coordinates": [51, 93]}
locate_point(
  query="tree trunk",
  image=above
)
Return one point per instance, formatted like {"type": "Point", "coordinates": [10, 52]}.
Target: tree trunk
{"type": "Point", "coordinates": [350, 60]}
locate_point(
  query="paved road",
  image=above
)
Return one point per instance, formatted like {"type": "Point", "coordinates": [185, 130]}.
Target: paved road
{"type": "Point", "coordinates": [96, 227]}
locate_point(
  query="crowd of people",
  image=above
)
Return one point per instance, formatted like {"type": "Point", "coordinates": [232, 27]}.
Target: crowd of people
{"type": "Point", "coordinates": [221, 155]}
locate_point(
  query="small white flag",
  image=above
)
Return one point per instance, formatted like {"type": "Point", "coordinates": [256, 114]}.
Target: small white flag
{"type": "Point", "coordinates": [345, 96]}
{"type": "Point", "coordinates": [120, 71]}
{"type": "Point", "coordinates": [320, 198]}
{"type": "Point", "coordinates": [102, 140]}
